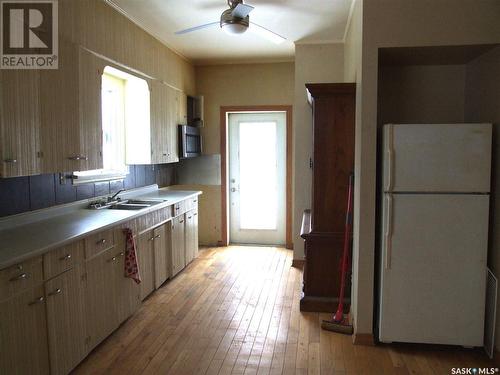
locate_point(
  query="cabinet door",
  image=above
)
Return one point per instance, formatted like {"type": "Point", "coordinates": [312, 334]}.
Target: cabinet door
{"type": "Point", "coordinates": [181, 108]}
{"type": "Point", "coordinates": [161, 250]}
{"type": "Point", "coordinates": [101, 304]}
{"type": "Point", "coordinates": [189, 237]}
{"type": "Point", "coordinates": [195, 234]}
{"type": "Point", "coordinates": [19, 122]}
{"type": "Point", "coordinates": [23, 334]}
{"type": "Point", "coordinates": [127, 291]}
{"type": "Point", "coordinates": [160, 152]}
{"type": "Point", "coordinates": [66, 320]}
{"type": "Point", "coordinates": [71, 112]}
{"type": "Point", "coordinates": [145, 256]}
{"type": "Point", "coordinates": [59, 112]}
{"type": "Point", "coordinates": [90, 124]}
{"type": "Point", "coordinates": [178, 245]}
{"type": "Point", "coordinates": [172, 124]}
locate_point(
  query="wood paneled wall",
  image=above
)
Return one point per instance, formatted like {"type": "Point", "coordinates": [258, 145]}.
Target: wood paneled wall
{"type": "Point", "coordinates": [100, 28]}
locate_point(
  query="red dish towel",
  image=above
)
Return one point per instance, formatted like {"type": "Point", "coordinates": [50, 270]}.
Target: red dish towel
{"type": "Point", "coordinates": [131, 264]}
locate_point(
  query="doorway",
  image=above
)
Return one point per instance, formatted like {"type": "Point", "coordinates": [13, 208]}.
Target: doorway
{"type": "Point", "coordinates": [224, 141]}
{"type": "Point", "coordinates": [257, 178]}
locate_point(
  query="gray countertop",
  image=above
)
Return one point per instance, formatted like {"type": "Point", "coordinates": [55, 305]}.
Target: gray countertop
{"type": "Point", "coordinates": [33, 234]}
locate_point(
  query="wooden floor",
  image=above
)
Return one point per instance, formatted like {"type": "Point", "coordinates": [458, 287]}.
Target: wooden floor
{"type": "Point", "coordinates": [235, 311]}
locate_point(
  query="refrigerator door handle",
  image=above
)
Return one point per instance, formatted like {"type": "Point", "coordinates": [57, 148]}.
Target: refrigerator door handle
{"type": "Point", "coordinates": [390, 157]}
{"type": "Point", "coordinates": [388, 233]}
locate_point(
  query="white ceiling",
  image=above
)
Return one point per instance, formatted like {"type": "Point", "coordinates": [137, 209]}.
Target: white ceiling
{"type": "Point", "coordinates": [300, 21]}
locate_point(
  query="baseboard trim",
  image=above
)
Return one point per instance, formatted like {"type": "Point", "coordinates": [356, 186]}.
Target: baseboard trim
{"type": "Point", "coordinates": [365, 339]}
{"type": "Point", "coordinates": [298, 263]}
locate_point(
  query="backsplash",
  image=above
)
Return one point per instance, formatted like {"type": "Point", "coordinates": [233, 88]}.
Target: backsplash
{"type": "Point", "coordinates": [22, 194]}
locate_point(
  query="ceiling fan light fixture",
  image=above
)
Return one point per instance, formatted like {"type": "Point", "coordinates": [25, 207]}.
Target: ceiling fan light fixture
{"type": "Point", "coordinates": [233, 25]}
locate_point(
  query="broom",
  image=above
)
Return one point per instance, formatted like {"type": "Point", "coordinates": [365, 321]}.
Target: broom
{"type": "Point", "coordinates": [338, 322]}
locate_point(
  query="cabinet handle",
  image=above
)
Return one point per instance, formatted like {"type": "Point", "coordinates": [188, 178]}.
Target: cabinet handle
{"type": "Point", "coordinates": [121, 254]}
{"type": "Point", "coordinates": [78, 158]}
{"type": "Point", "coordinates": [194, 201]}
{"type": "Point", "coordinates": [19, 277]}
{"type": "Point", "coordinates": [101, 242]}
{"type": "Point", "coordinates": [12, 161]}
{"type": "Point", "coordinates": [112, 260]}
{"type": "Point", "coordinates": [181, 221]}
{"type": "Point", "coordinates": [158, 236]}
{"type": "Point", "coordinates": [37, 301]}
{"type": "Point", "coordinates": [56, 292]}
{"type": "Point", "coordinates": [190, 217]}
{"type": "Point", "coordinates": [66, 257]}
{"type": "Point", "coordinates": [151, 239]}
{"type": "Point", "coordinates": [177, 208]}
{"type": "Point", "coordinates": [195, 214]}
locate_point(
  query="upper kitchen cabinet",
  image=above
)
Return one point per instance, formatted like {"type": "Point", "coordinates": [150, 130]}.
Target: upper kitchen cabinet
{"type": "Point", "coordinates": [70, 103]}
{"type": "Point", "coordinates": [161, 146]}
{"type": "Point", "coordinates": [19, 122]}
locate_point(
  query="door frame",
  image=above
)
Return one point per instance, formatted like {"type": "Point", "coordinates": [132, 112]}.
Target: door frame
{"type": "Point", "coordinates": [224, 116]}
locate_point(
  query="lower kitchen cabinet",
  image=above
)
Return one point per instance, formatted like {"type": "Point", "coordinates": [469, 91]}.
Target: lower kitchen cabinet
{"type": "Point", "coordinates": [178, 244]}
{"type": "Point", "coordinates": [23, 334]}
{"type": "Point", "coordinates": [101, 299]}
{"type": "Point", "coordinates": [66, 320]}
{"type": "Point", "coordinates": [146, 258]}
{"type": "Point", "coordinates": [161, 245]}
{"type": "Point", "coordinates": [191, 241]}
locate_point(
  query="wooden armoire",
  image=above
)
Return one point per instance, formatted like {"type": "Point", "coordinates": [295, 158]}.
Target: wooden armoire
{"type": "Point", "coordinates": [333, 108]}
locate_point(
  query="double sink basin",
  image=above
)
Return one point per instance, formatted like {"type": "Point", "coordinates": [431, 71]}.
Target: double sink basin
{"type": "Point", "coordinates": [126, 204]}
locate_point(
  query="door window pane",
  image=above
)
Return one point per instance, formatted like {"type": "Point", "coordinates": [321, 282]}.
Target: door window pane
{"type": "Point", "coordinates": [258, 175]}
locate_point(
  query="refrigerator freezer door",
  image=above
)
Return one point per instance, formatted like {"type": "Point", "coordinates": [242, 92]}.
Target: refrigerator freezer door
{"type": "Point", "coordinates": [433, 269]}
{"type": "Point", "coordinates": [437, 158]}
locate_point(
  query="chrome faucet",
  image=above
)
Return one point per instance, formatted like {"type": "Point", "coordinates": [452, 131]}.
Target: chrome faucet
{"type": "Point", "coordinates": [112, 198]}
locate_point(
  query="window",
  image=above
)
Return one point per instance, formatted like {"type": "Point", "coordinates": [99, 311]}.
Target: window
{"type": "Point", "coordinates": [125, 119]}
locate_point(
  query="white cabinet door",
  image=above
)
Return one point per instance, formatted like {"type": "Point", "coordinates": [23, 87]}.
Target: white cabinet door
{"type": "Point", "coordinates": [437, 158]}
{"type": "Point", "coordinates": [433, 268]}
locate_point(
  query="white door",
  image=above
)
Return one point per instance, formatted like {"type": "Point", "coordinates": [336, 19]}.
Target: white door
{"type": "Point", "coordinates": [257, 168]}
{"type": "Point", "coordinates": [433, 268]}
{"type": "Point", "coordinates": [437, 158]}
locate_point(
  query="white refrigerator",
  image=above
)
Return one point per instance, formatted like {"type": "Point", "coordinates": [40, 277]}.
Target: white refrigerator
{"type": "Point", "coordinates": [436, 184]}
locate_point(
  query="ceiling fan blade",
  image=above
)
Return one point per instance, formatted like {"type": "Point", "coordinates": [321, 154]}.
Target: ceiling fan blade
{"type": "Point", "coordinates": [266, 33]}
{"type": "Point", "coordinates": [242, 10]}
{"type": "Point", "coordinates": [197, 28]}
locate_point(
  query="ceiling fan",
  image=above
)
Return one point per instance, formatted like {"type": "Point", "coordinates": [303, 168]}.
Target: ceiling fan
{"type": "Point", "coordinates": [236, 20]}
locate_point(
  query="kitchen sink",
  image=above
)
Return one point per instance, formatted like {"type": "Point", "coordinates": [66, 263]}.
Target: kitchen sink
{"type": "Point", "coordinates": [128, 204]}
{"type": "Point", "coordinates": [133, 204]}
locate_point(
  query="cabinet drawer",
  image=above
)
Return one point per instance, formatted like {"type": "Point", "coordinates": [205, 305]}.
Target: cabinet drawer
{"type": "Point", "coordinates": [191, 203]}
{"type": "Point", "coordinates": [179, 208]}
{"type": "Point", "coordinates": [20, 277]}
{"type": "Point", "coordinates": [62, 259]}
{"type": "Point", "coordinates": [119, 235]}
{"type": "Point", "coordinates": [99, 242]}
{"type": "Point", "coordinates": [145, 222]}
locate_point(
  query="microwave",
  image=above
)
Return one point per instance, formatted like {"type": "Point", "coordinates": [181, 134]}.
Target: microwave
{"type": "Point", "coordinates": [190, 144]}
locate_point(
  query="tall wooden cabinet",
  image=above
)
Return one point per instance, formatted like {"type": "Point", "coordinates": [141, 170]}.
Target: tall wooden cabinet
{"type": "Point", "coordinates": [333, 107]}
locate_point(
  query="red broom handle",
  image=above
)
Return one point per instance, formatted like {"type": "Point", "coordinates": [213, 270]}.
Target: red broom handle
{"type": "Point", "coordinates": [339, 314]}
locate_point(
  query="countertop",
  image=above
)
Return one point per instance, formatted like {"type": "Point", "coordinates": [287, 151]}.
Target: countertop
{"type": "Point", "coordinates": [33, 234]}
